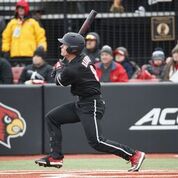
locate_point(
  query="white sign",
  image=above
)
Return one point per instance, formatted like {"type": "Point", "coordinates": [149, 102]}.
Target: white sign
{"type": "Point", "coordinates": [157, 119]}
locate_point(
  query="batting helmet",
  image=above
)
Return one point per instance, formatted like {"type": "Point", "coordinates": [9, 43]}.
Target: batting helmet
{"type": "Point", "coordinates": [74, 41]}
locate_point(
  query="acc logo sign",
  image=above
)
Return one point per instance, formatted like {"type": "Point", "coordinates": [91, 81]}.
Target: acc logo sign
{"type": "Point", "coordinates": [158, 119]}
{"type": "Point", "coordinates": [12, 125]}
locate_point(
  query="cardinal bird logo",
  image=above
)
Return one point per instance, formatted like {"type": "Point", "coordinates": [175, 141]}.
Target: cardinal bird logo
{"type": "Point", "coordinates": [12, 125]}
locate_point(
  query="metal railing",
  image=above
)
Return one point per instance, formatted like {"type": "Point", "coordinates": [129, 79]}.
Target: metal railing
{"type": "Point", "coordinates": [131, 29]}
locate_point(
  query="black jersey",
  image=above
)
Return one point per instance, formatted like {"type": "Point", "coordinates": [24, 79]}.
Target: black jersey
{"type": "Point", "coordinates": [81, 75]}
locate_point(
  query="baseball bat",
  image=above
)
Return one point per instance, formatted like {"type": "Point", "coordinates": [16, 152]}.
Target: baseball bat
{"type": "Point", "coordinates": [87, 23]}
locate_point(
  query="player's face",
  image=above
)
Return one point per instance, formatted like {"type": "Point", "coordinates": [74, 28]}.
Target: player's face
{"type": "Point", "coordinates": [106, 58]}
{"type": "Point", "coordinates": [64, 52]}
{"type": "Point", "coordinates": [20, 11]}
{"type": "Point", "coordinates": [175, 57]}
{"type": "Point", "coordinates": [37, 61]}
{"type": "Point", "coordinates": [119, 58]}
{"type": "Point", "coordinates": [91, 44]}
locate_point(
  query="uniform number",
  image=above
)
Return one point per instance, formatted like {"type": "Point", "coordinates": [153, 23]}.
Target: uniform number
{"type": "Point", "coordinates": [94, 72]}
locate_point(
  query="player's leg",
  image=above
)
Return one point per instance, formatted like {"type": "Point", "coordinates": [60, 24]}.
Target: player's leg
{"type": "Point", "coordinates": [90, 115]}
{"type": "Point", "coordinates": [55, 118]}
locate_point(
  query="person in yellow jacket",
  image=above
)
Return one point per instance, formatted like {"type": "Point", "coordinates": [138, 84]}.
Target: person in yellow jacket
{"type": "Point", "coordinates": [22, 35]}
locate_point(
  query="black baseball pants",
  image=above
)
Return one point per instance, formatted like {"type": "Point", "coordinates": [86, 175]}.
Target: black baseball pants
{"type": "Point", "coordinates": [89, 112]}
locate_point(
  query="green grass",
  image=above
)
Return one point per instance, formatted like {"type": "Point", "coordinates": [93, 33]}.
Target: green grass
{"type": "Point", "coordinates": [95, 164]}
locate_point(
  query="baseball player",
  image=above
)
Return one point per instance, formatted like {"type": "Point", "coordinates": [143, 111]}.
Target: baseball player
{"type": "Point", "coordinates": [80, 73]}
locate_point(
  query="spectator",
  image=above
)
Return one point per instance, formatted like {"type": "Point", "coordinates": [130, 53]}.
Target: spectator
{"type": "Point", "coordinates": [2, 27]}
{"type": "Point", "coordinates": [22, 35]}
{"type": "Point", "coordinates": [157, 63]}
{"type": "Point", "coordinates": [171, 68]}
{"type": "Point", "coordinates": [108, 70]}
{"type": "Point", "coordinates": [92, 46]}
{"type": "Point", "coordinates": [5, 72]}
{"type": "Point", "coordinates": [39, 71]}
{"type": "Point", "coordinates": [117, 6]}
{"type": "Point", "coordinates": [121, 56]}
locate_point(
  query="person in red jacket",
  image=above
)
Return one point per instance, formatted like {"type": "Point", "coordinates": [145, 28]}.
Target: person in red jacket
{"type": "Point", "coordinates": [108, 70]}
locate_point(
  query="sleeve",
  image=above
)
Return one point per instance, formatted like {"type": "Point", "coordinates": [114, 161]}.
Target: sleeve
{"type": "Point", "coordinates": [129, 70]}
{"type": "Point", "coordinates": [165, 72]}
{"type": "Point", "coordinates": [40, 36]}
{"type": "Point", "coordinates": [48, 77]}
{"type": "Point", "coordinates": [65, 77]}
{"type": "Point", "coordinates": [23, 76]}
{"type": "Point", "coordinates": [149, 68]}
{"type": "Point", "coordinates": [6, 37]}
{"type": "Point", "coordinates": [7, 73]}
{"type": "Point", "coordinates": [123, 77]}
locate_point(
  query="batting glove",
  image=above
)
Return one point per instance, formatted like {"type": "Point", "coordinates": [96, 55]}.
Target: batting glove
{"type": "Point", "coordinates": [56, 68]}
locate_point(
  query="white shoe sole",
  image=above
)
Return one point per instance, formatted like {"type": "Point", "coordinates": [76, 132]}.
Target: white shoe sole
{"type": "Point", "coordinates": [51, 163]}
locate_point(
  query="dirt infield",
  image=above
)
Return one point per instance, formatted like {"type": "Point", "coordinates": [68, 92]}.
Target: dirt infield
{"type": "Point", "coordinates": [88, 174]}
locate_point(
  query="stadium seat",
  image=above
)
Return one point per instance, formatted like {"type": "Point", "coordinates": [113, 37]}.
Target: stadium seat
{"type": "Point", "coordinates": [16, 71]}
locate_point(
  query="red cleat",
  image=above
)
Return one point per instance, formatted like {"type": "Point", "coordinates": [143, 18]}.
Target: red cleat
{"type": "Point", "coordinates": [136, 161]}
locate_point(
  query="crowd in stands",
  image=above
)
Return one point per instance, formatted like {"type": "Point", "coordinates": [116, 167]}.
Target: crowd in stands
{"type": "Point", "coordinates": [23, 48]}
{"type": "Point", "coordinates": [115, 66]}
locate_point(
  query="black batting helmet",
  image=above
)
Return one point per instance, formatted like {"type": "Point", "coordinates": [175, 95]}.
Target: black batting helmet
{"type": "Point", "coordinates": [74, 41]}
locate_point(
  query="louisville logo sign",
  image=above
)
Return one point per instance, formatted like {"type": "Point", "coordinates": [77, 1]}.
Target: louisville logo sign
{"type": "Point", "coordinates": [12, 125]}
{"type": "Point", "coordinates": [158, 119]}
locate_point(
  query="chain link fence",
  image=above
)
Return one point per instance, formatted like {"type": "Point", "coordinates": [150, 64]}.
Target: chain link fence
{"type": "Point", "coordinates": [131, 28]}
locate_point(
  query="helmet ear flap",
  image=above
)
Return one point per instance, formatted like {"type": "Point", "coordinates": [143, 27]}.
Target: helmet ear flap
{"type": "Point", "coordinates": [72, 49]}
{"type": "Point", "coordinates": [69, 50]}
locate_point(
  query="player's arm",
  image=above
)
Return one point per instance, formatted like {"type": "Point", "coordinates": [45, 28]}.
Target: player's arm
{"type": "Point", "coordinates": [63, 75]}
